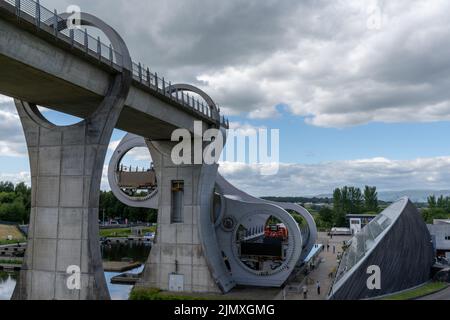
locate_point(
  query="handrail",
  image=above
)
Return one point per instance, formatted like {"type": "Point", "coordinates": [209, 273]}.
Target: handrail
{"type": "Point", "coordinates": [80, 39]}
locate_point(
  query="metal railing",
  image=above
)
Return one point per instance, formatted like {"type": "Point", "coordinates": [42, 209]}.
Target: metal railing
{"type": "Point", "coordinates": [80, 38]}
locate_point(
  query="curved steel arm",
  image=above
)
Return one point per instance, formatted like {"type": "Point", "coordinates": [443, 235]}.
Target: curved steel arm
{"type": "Point", "coordinates": [116, 40]}
{"type": "Point", "coordinates": [187, 87]}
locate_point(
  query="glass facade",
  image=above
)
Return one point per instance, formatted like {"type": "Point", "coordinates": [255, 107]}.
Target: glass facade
{"type": "Point", "coordinates": [365, 240]}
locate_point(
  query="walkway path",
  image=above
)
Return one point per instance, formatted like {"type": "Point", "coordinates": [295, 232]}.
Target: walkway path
{"type": "Point", "coordinates": [321, 273]}
{"type": "Point", "coordinates": [442, 295]}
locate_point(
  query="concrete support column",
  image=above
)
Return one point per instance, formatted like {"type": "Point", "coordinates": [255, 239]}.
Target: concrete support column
{"type": "Point", "coordinates": [66, 169]}
{"type": "Point", "coordinates": [181, 256]}
{"type": "Point", "coordinates": [63, 259]}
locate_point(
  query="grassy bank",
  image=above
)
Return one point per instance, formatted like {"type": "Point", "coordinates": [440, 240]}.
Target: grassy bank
{"type": "Point", "coordinates": [426, 289]}
{"type": "Point", "coordinates": [13, 262]}
{"type": "Point", "coordinates": [120, 233]}
{"type": "Point", "coordinates": [141, 294]}
{"type": "Point", "coordinates": [6, 231]}
{"type": "Point", "coordinates": [8, 242]}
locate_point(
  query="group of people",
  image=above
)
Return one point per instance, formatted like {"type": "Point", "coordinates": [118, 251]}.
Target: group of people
{"type": "Point", "coordinates": [318, 284]}
{"type": "Point", "coordinates": [305, 290]}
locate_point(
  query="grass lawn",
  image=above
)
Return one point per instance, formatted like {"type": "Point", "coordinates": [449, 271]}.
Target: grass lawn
{"type": "Point", "coordinates": [125, 232]}
{"type": "Point", "coordinates": [13, 262]}
{"type": "Point", "coordinates": [6, 230]}
{"type": "Point", "coordinates": [156, 294]}
{"type": "Point", "coordinates": [426, 289]}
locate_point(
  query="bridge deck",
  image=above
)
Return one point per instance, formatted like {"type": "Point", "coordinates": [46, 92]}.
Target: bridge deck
{"type": "Point", "coordinates": [48, 68]}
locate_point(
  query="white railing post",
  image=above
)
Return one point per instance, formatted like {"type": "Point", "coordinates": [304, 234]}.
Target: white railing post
{"type": "Point", "coordinates": [86, 40]}
{"type": "Point", "coordinates": [55, 23]}
{"type": "Point", "coordinates": [111, 57]}
{"type": "Point", "coordinates": [38, 14]}
{"type": "Point", "coordinates": [140, 72]}
{"type": "Point", "coordinates": [72, 37]}
{"type": "Point", "coordinates": [99, 49]}
{"type": "Point", "coordinates": [18, 8]}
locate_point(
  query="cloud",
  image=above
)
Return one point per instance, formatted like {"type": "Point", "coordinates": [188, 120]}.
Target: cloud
{"type": "Point", "coordinates": [12, 139]}
{"type": "Point", "coordinates": [319, 58]}
{"type": "Point", "coordinates": [322, 178]}
{"type": "Point", "coordinates": [17, 177]}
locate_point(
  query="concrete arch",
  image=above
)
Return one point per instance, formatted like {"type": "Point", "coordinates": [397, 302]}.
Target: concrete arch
{"type": "Point", "coordinates": [227, 189]}
{"type": "Point", "coordinates": [87, 19]}
{"type": "Point", "coordinates": [129, 142]}
{"type": "Point", "coordinates": [66, 169]}
{"type": "Point", "coordinates": [311, 237]}
{"type": "Point", "coordinates": [187, 87]}
{"type": "Point", "coordinates": [251, 215]}
{"type": "Point", "coordinates": [241, 207]}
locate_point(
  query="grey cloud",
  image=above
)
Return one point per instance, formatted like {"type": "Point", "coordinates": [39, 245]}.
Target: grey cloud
{"type": "Point", "coordinates": [317, 57]}
{"type": "Point", "coordinates": [300, 179]}
{"type": "Point", "coordinates": [12, 140]}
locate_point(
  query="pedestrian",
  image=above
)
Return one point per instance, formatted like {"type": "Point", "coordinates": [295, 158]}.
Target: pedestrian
{"type": "Point", "coordinates": [334, 249]}
{"type": "Point", "coordinates": [318, 288]}
{"type": "Point", "coordinates": [328, 248]}
{"type": "Point", "coordinates": [305, 292]}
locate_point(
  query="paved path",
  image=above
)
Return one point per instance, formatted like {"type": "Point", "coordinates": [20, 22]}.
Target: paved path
{"type": "Point", "coordinates": [321, 273]}
{"type": "Point", "coordinates": [442, 295]}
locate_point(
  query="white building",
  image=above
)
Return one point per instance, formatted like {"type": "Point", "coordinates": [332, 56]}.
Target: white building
{"type": "Point", "coordinates": [440, 234]}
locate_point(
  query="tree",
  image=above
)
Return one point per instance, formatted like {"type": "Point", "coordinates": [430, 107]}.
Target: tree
{"type": "Point", "coordinates": [340, 201]}
{"type": "Point", "coordinates": [371, 199]}
{"type": "Point", "coordinates": [355, 202]}
{"type": "Point", "coordinates": [326, 217]}
{"type": "Point", "coordinates": [6, 186]}
{"type": "Point", "coordinates": [432, 203]}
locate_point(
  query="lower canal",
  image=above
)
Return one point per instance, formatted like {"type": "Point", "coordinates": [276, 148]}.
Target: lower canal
{"type": "Point", "coordinates": [138, 252]}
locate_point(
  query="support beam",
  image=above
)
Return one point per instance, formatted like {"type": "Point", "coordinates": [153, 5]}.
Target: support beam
{"type": "Point", "coordinates": [183, 248]}
{"type": "Point", "coordinates": [66, 170]}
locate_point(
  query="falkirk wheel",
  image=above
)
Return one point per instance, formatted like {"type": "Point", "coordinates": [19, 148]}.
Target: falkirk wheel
{"type": "Point", "coordinates": [258, 242]}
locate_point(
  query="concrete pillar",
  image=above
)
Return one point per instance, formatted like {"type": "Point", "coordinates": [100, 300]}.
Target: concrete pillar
{"type": "Point", "coordinates": [66, 169]}
{"type": "Point", "coordinates": [181, 249]}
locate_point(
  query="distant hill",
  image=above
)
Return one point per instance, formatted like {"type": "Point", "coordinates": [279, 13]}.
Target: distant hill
{"type": "Point", "coordinates": [419, 196]}
{"type": "Point", "coordinates": [415, 195]}
{"type": "Point", "coordinates": [314, 200]}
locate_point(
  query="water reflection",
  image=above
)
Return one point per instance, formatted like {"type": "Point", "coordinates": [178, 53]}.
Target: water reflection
{"type": "Point", "coordinates": [110, 252]}
{"type": "Point", "coordinates": [119, 291]}
{"type": "Point", "coordinates": [7, 285]}
{"type": "Point", "coordinates": [117, 251]}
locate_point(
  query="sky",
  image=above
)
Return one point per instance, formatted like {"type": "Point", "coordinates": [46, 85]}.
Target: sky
{"type": "Point", "coordinates": [357, 89]}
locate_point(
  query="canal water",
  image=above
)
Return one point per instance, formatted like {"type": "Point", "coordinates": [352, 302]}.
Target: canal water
{"type": "Point", "coordinates": [110, 252]}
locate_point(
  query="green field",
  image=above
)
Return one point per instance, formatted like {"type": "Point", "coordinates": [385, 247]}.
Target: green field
{"type": "Point", "coordinates": [120, 233]}
{"type": "Point", "coordinates": [142, 294]}
{"type": "Point", "coordinates": [13, 262]}
{"type": "Point", "coordinates": [17, 236]}
{"type": "Point", "coordinates": [424, 290]}
{"type": "Point", "coordinates": [13, 231]}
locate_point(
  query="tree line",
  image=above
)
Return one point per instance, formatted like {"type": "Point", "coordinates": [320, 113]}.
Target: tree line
{"type": "Point", "coordinates": [113, 208]}
{"type": "Point", "coordinates": [438, 208]}
{"type": "Point", "coordinates": [348, 200]}
{"type": "Point", "coordinates": [15, 206]}
{"type": "Point", "coordinates": [15, 202]}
